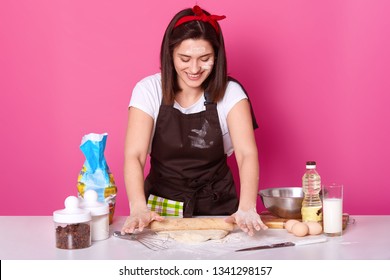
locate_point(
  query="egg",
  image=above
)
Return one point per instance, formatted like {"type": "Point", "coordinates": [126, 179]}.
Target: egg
{"type": "Point", "coordinates": [288, 225]}
{"type": "Point", "coordinates": [314, 228]}
{"type": "Point", "coordinates": [300, 229]}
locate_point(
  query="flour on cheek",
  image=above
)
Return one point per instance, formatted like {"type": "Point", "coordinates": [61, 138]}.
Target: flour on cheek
{"type": "Point", "coordinates": [208, 65]}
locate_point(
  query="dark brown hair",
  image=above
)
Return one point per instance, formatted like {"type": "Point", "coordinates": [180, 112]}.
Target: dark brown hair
{"type": "Point", "coordinates": [216, 82]}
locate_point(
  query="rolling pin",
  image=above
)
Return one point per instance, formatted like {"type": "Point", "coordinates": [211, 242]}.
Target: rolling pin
{"type": "Point", "coordinates": [171, 224]}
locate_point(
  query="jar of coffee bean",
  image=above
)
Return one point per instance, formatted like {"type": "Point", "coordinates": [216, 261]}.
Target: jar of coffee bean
{"type": "Point", "coordinates": [72, 225]}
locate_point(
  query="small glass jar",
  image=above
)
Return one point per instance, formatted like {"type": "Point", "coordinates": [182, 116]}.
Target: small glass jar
{"type": "Point", "coordinates": [72, 225]}
{"type": "Point", "coordinates": [99, 213]}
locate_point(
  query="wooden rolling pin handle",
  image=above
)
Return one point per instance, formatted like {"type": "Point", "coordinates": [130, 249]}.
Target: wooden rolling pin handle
{"type": "Point", "coordinates": [274, 224]}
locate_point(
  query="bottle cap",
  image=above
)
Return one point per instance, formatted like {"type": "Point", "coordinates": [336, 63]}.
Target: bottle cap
{"type": "Point", "coordinates": [310, 164]}
{"type": "Point", "coordinates": [91, 203]}
{"type": "Point", "coordinates": [72, 213]}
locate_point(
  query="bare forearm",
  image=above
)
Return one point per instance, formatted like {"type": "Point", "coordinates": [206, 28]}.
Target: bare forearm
{"type": "Point", "coordinates": [138, 134]}
{"type": "Point", "coordinates": [248, 166]}
{"type": "Point", "coordinates": [134, 181]}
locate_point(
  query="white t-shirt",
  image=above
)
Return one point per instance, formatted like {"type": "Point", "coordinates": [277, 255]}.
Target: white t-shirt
{"type": "Point", "coordinates": [147, 96]}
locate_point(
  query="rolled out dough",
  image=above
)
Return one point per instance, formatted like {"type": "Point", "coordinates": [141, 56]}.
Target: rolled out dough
{"type": "Point", "coordinates": [194, 236]}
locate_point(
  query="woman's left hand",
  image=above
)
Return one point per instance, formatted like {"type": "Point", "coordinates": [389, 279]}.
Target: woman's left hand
{"type": "Point", "coordinates": [247, 220]}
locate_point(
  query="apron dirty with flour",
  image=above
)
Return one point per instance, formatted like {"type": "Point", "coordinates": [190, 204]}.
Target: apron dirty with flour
{"type": "Point", "coordinates": [188, 162]}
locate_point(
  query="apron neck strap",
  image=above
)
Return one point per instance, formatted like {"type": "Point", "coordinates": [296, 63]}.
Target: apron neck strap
{"type": "Point", "coordinates": [208, 100]}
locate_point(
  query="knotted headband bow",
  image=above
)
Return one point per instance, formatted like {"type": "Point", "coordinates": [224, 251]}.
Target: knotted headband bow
{"type": "Point", "coordinates": [201, 16]}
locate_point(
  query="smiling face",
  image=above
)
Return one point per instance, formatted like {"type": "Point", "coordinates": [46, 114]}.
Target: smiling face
{"type": "Point", "coordinates": [193, 61]}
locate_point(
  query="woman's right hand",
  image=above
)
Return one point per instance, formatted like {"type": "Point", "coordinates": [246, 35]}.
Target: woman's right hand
{"type": "Point", "coordinates": [139, 220]}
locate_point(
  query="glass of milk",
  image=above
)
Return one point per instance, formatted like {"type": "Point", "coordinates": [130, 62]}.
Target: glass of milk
{"type": "Point", "coordinates": [332, 200]}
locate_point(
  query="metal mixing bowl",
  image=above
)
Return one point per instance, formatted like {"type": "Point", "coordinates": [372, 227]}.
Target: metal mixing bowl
{"type": "Point", "coordinates": [283, 202]}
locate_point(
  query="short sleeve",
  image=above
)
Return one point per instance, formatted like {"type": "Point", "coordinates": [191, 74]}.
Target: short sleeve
{"type": "Point", "coordinates": [234, 93]}
{"type": "Point", "coordinates": [147, 95]}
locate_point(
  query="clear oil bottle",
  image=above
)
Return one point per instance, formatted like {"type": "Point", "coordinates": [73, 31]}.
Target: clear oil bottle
{"type": "Point", "coordinates": [311, 186]}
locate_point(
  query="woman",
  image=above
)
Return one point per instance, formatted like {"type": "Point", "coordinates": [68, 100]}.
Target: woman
{"type": "Point", "coordinates": [189, 118]}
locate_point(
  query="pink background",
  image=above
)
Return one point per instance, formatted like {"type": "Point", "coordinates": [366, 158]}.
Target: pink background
{"type": "Point", "coordinates": [317, 73]}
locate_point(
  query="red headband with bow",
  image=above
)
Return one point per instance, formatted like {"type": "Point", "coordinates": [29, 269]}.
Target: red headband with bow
{"type": "Point", "coordinates": [201, 16]}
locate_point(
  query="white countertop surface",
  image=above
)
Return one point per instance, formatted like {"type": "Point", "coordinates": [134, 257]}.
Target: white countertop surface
{"type": "Point", "coordinates": [33, 238]}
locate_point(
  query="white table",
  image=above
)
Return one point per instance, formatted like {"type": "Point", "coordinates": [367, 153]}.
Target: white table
{"type": "Point", "coordinates": [33, 238]}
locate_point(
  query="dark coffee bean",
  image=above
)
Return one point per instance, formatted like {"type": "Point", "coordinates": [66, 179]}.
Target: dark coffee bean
{"type": "Point", "coordinates": [73, 236]}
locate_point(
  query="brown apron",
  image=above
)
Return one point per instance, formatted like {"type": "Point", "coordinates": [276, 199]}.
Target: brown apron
{"type": "Point", "coordinates": [188, 162]}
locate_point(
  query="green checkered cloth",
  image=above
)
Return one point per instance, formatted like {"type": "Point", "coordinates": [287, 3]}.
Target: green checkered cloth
{"type": "Point", "coordinates": [165, 207]}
